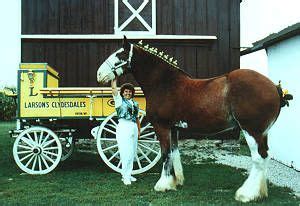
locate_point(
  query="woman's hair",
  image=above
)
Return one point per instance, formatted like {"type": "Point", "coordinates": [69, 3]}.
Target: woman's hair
{"type": "Point", "coordinates": [127, 86]}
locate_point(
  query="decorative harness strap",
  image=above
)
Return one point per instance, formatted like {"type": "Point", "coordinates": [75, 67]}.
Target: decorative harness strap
{"type": "Point", "coordinates": [128, 62]}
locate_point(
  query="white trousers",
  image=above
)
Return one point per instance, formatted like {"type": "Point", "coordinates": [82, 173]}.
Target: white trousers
{"type": "Point", "coordinates": [127, 135]}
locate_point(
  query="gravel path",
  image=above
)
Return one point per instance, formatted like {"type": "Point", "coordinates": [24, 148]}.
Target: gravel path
{"type": "Point", "coordinates": [199, 151]}
{"type": "Point", "coordinates": [277, 173]}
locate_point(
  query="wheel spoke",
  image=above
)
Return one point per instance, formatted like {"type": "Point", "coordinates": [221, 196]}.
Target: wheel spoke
{"type": "Point", "coordinates": [109, 130]}
{"type": "Point", "coordinates": [113, 156]}
{"type": "Point", "coordinates": [145, 127]}
{"type": "Point", "coordinates": [44, 161]}
{"type": "Point", "coordinates": [148, 138]}
{"type": "Point", "coordinates": [40, 163]}
{"type": "Point", "coordinates": [50, 148]}
{"type": "Point", "coordinates": [24, 152]}
{"type": "Point", "coordinates": [46, 138]}
{"type": "Point", "coordinates": [48, 158]}
{"type": "Point", "coordinates": [48, 143]}
{"type": "Point", "coordinates": [141, 118]}
{"type": "Point", "coordinates": [148, 134]}
{"type": "Point", "coordinates": [35, 137]}
{"type": "Point", "coordinates": [119, 164]}
{"type": "Point", "coordinates": [27, 141]}
{"type": "Point", "coordinates": [30, 138]}
{"type": "Point", "coordinates": [111, 147]}
{"type": "Point", "coordinates": [148, 148]}
{"type": "Point", "coordinates": [29, 161]}
{"type": "Point", "coordinates": [50, 153]}
{"type": "Point", "coordinates": [24, 158]}
{"type": "Point", "coordinates": [111, 125]}
{"type": "Point", "coordinates": [144, 155]}
{"type": "Point", "coordinates": [24, 147]}
{"type": "Point", "coordinates": [148, 141]}
{"type": "Point", "coordinates": [138, 161]}
{"type": "Point", "coordinates": [41, 137]}
{"type": "Point", "coordinates": [34, 162]}
{"type": "Point", "coordinates": [109, 139]}
{"type": "Point", "coordinates": [113, 122]}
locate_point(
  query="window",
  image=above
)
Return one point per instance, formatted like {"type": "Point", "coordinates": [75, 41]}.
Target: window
{"type": "Point", "coordinates": [135, 17]}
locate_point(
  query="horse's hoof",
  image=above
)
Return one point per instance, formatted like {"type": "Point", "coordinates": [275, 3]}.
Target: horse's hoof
{"type": "Point", "coordinates": [247, 196]}
{"type": "Point", "coordinates": [163, 189]}
{"type": "Point", "coordinates": [165, 184]}
{"type": "Point", "coordinates": [241, 197]}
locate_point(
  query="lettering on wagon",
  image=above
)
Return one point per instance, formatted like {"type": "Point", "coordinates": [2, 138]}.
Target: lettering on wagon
{"type": "Point", "coordinates": [54, 104]}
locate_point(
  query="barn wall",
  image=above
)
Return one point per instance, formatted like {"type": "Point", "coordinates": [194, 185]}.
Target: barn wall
{"type": "Point", "coordinates": [78, 60]}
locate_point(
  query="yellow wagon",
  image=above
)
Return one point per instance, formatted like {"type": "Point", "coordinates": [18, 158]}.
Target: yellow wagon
{"type": "Point", "coordinates": [51, 118]}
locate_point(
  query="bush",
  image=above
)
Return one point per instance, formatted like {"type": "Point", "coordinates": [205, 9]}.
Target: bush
{"type": "Point", "coordinates": [8, 105]}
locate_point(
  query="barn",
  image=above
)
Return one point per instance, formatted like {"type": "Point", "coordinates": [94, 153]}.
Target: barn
{"type": "Point", "coordinates": [76, 36]}
{"type": "Point", "coordinates": [282, 49]}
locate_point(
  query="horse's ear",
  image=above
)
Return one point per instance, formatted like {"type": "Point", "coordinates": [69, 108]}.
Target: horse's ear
{"type": "Point", "coordinates": [126, 44]}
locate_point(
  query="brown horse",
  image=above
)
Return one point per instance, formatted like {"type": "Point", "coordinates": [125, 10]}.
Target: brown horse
{"type": "Point", "coordinates": [241, 98]}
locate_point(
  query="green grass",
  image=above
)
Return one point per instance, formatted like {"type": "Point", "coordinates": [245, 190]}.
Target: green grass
{"type": "Point", "coordinates": [85, 180]}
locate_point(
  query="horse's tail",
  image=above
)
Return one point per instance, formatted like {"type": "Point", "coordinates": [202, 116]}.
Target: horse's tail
{"type": "Point", "coordinates": [285, 97]}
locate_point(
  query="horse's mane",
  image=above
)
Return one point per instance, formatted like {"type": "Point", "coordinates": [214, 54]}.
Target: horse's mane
{"type": "Point", "coordinates": [161, 55]}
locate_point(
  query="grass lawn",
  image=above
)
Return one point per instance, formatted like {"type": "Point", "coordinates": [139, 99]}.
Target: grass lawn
{"type": "Point", "coordinates": [85, 180]}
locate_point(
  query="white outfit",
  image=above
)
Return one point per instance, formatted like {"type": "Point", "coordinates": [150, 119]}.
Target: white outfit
{"type": "Point", "coordinates": [127, 137]}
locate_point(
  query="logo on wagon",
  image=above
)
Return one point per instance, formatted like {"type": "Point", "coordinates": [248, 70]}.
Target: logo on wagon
{"type": "Point", "coordinates": [111, 102]}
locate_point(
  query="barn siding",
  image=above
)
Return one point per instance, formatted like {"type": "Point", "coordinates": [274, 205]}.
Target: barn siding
{"type": "Point", "coordinates": [78, 60]}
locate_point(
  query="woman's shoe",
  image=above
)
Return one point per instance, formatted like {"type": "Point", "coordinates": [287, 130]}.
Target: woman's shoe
{"type": "Point", "coordinates": [126, 182]}
{"type": "Point", "coordinates": [132, 179]}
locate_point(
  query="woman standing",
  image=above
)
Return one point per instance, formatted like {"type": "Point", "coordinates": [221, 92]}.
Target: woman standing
{"type": "Point", "coordinates": [128, 128]}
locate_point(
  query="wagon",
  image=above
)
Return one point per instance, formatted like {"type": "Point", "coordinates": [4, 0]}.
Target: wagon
{"type": "Point", "coordinates": [50, 119]}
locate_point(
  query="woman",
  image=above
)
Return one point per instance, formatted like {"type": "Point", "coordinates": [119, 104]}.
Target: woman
{"type": "Point", "coordinates": [128, 128]}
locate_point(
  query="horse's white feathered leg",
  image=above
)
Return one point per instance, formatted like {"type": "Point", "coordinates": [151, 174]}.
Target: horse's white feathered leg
{"type": "Point", "coordinates": [178, 167]}
{"type": "Point", "coordinates": [255, 187]}
{"type": "Point", "coordinates": [167, 180]}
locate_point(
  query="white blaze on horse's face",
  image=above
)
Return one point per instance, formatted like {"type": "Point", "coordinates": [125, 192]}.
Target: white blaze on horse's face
{"type": "Point", "coordinates": [106, 72]}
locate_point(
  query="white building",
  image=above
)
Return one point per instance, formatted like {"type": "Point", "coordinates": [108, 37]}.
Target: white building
{"type": "Point", "coordinates": [283, 54]}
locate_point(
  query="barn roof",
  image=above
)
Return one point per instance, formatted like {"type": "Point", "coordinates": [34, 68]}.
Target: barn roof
{"type": "Point", "coordinates": [273, 38]}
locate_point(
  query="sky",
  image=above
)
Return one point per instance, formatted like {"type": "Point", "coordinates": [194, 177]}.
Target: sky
{"type": "Point", "coordinates": [10, 47]}
{"type": "Point", "coordinates": [259, 18]}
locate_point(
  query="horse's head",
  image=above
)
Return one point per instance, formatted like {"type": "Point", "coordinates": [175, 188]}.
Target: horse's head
{"type": "Point", "coordinates": [116, 64]}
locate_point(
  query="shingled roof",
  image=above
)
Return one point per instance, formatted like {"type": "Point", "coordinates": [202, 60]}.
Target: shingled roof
{"type": "Point", "coordinates": [273, 38]}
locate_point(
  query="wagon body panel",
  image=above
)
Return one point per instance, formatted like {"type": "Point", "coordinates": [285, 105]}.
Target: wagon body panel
{"type": "Point", "coordinates": [40, 97]}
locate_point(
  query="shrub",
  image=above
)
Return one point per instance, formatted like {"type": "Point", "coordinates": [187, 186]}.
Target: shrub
{"type": "Point", "coordinates": [8, 105]}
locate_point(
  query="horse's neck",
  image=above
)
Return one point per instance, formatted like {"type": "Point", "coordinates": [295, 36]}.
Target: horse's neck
{"type": "Point", "coordinates": [153, 73]}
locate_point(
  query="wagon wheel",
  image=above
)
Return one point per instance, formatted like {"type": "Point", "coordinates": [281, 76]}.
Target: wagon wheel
{"type": "Point", "coordinates": [148, 151]}
{"type": "Point", "coordinates": [37, 150]}
{"type": "Point", "coordinates": [67, 145]}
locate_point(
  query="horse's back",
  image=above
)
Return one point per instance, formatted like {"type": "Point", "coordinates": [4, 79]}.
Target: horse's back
{"type": "Point", "coordinates": [254, 98]}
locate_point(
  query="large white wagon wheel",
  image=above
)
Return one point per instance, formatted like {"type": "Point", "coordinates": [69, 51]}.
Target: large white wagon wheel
{"type": "Point", "coordinates": [148, 151]}
{"type": "Point", "coordinates": [37, 150]}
